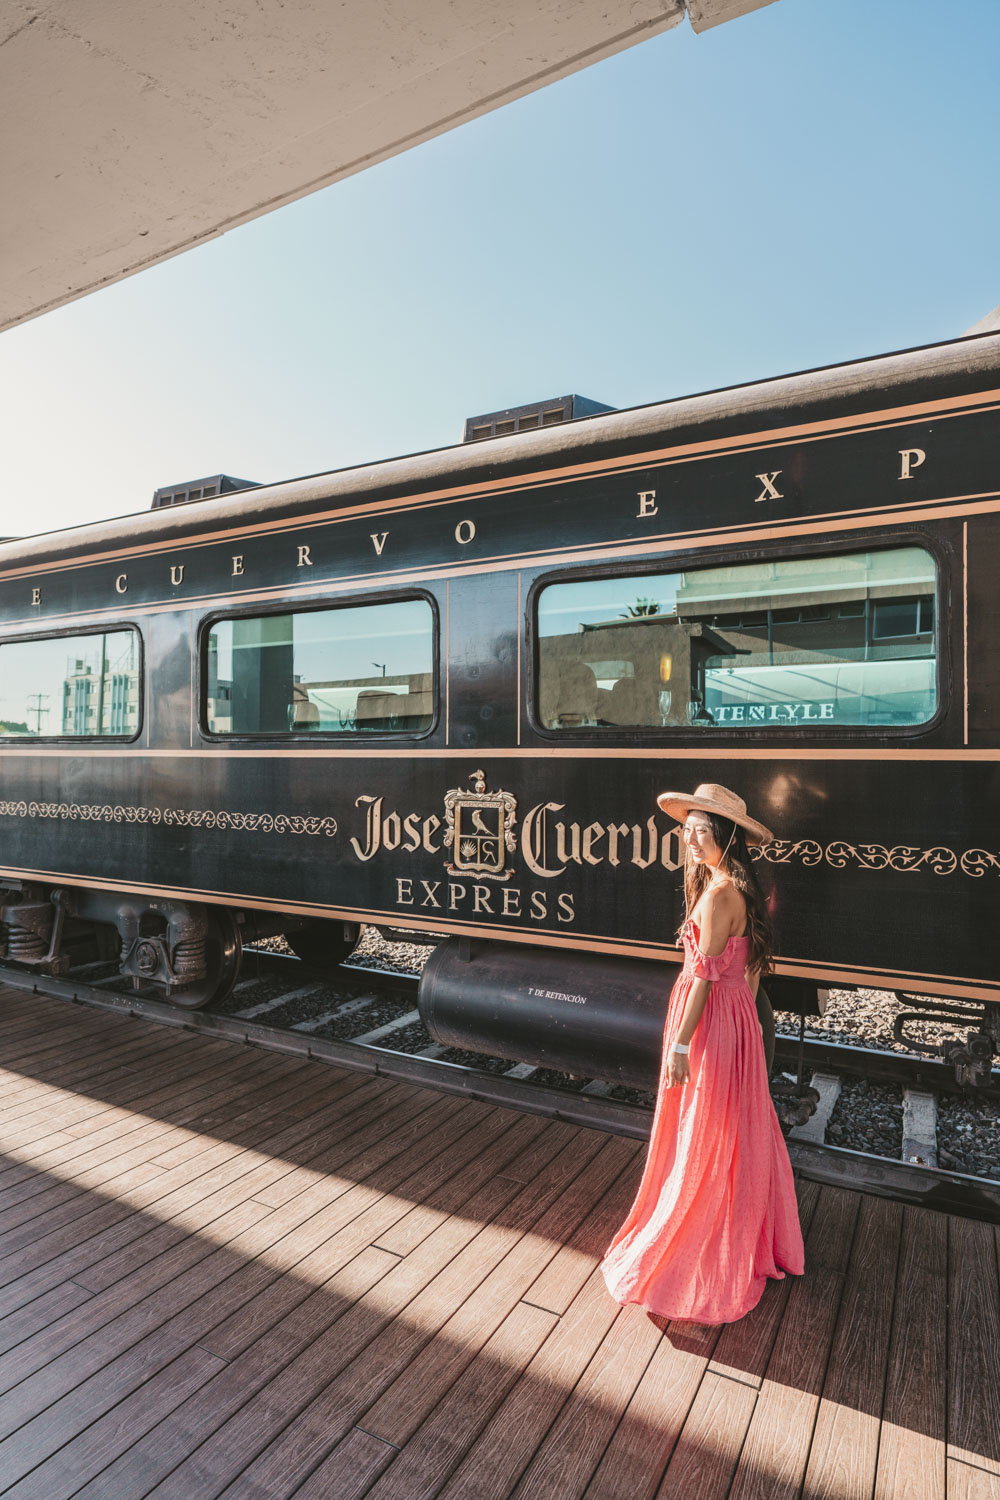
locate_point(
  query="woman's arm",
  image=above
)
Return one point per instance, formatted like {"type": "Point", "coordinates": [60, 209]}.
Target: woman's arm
{"type": "Point", "coordinates": [679, 1069]}
{"type": "Point", "coordinates": [721, 915]}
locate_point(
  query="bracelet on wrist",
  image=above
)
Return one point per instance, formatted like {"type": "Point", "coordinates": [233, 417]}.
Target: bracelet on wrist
{"type": "Point", "coordinates": [682, 1047]}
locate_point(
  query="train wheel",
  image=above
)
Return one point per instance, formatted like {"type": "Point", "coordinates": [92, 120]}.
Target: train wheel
{"type": "Point", "coordinates": [224, 952]}
{"type": "Point", "coordinates": [324, 945]}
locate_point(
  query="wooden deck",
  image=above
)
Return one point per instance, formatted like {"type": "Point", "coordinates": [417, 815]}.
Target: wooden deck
{"type": "Point", "coordinates": [230, 1272]}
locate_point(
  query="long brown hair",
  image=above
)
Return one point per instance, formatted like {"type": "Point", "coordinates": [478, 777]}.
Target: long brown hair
{"type": "Point", "coordinates": [739, 866]}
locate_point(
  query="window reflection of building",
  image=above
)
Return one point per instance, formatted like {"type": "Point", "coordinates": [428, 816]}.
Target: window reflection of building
{"type": "Point", "coordinates": [220, 700]}
{"type": "Point", "coordinates": [840, 640]}
{"type": "Point", "coordinates": [646, 671]}
{"type": "Point", "coordinates": [80, 700]}
{"type": "Point", "coordinates": [100, 696]}
{"type": "Point", "coordinates": [364, 704]}
{"type": "Point", "coordinates": [76, 685]}
{"type": "Point", "coordinates": [277, 673]}
{"type": "Point", "coordinates": [844, 639]}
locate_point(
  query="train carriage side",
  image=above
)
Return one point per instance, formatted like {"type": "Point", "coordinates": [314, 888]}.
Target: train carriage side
{"type": "Point", "coordinates": [442, 693]}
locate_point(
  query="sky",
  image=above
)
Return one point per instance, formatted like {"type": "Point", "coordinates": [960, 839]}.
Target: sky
{"type": "Point", "coordinates": [812, 183]}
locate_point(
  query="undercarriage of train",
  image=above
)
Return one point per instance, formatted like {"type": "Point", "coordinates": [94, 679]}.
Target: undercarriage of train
{"type": "Point", "coordinates": [547, 1007]}
{"type": "Point", "coordinates": [186, 953]}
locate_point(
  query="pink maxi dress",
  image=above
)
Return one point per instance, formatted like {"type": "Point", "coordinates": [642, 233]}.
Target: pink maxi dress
{"type": "Point", "coordinates": [716, 1213]}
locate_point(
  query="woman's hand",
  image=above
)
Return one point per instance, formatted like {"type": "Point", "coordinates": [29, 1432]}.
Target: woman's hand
{"type": "Point", "coordinates": [678, 1068]}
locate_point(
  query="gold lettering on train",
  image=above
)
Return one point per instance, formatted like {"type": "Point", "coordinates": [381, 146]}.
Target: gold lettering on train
{"type": "Point", "coordinates": [387, 831]}
{"type": "Point", "coordinates": [770, 491]}
{"type": "Point", "coordinates": [534, 838]}
{"type": "Point", "coordinates": [465, 531]}
{"type": "Point", "coordinates": [176, 573]}
{"type": "Point", "coordinates": [36, 596]}
{"type": "Point", "coordinates": [305, 561]}
{"type": "Point", "coordinates": [238, 565]}
{"type": "Point", "coordinates": [121, 583]}
{"type": "Point", "coordinates": [592, 834]}
{"type": "Point", "coordinates": [647, 504]}
{"type": "Point", "coordinates": [615, 832]}
{"type": "Point", "coordinates": [490, 901]}
{"type": "Point", "coordinates": [373, 827]}
{"type": "Point", "coordinates": [910, 459]}
{"type": "Point", "coordinates": [429, 829]}
{"type": "Point", "coordinates": [548, 844]}
{"type": "Point", "coordinates": [486, 900]}
{"type": "Point", "coordinates": [378, 541]}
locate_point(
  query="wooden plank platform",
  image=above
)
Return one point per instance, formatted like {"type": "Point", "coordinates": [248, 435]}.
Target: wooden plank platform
{"type": "Point", "coordinates": [231, 1272]}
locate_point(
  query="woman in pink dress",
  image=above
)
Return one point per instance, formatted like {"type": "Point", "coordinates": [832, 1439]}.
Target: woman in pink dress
{"type": "Point", "coordinates": [716, 1213]}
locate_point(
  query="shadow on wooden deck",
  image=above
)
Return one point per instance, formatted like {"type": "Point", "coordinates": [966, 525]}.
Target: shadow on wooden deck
{"type": "Point", "coordinates": [231, 1272]}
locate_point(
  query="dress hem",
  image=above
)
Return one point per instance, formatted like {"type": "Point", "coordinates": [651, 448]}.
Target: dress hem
{"type": "Point", "coordinates": [657, 1312]}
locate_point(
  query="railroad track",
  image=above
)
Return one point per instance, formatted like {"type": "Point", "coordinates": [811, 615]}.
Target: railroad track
{"type": "Point", "coordinates": [366, 1019]}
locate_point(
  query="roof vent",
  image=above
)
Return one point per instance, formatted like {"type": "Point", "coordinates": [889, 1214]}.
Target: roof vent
{"type": "Point", "coordinates": [208, 488]}
{"type": "Point", "coordinates": [529, 418]}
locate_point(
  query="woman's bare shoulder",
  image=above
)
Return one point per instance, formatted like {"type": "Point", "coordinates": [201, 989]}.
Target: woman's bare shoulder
{"type": "Point", "coordinates": [723, 906]}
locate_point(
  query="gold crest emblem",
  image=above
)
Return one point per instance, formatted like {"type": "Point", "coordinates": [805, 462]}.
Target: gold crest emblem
{"type": "Point", "coordinates": [480, 830]}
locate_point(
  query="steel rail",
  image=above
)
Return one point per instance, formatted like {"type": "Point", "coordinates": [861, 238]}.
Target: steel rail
{"type": "Point", "coordinates": [910, 1068]}
{"type": "Point", "coordinates": [928, 1187]}
{"type": "Point", "coordinates": [454, 1078]}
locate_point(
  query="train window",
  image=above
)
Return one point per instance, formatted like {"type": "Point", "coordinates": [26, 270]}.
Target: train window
{"type": "Point", "coordinates": [847, 640]}
{"type": "Point", "coordinates": [353, 670]}
{"type": "Point", "coordinates": [71, 687]}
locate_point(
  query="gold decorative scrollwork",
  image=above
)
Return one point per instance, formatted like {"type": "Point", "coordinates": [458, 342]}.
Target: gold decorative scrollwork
{"type": "Point", "coordinates": [941, 861]}
{"type": "Point", "coordinates": [904, 858]}
{"type": "Point", "coordinates": [977, 862]}
{"type": "Point", "coordinates": [867, 856]}
{"type": "Point", "coordinates": [183, 817]}
{"type": "Point", "coordinates": [783, 851]}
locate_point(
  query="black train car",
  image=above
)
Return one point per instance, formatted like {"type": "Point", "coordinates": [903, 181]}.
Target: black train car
{"type": "Point", "coordinates": [442, 692]}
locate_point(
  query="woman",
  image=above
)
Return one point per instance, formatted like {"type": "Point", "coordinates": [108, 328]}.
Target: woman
{"type": "Point", "coordinates": [715, 1214]}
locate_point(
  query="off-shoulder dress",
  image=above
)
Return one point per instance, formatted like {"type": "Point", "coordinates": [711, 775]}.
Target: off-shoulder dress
{"type": "Point", "coordinates": [715, 1214]}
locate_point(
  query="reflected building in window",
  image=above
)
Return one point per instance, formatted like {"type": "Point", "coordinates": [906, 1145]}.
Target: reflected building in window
{"type": "Point", "coordinates": [365, 669]}
{"type": "Point", "coordinates": [101, 698]}
{"type": "Point", "coordinates": [73, 686]}
{"type": "Point", "coordinates": [847, 640]}
{"type": "Point", "coordinates": [841, 640]}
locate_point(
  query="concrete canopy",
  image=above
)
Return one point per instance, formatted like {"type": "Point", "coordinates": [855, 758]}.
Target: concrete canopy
{"type": "Point", "coordinates": [134, 129]}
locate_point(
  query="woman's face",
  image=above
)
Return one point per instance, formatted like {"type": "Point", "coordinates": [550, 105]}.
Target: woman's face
{"type": "Point", "coordinates": [700, 840]}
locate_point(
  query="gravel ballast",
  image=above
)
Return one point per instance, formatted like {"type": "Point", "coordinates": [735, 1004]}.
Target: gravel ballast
{"type": "Point", "coordinates": [867, 1116]}
{"type": "Point", "coordinates": [864, 1018]}
{"type": "Point", "coordinates": [378, 1013]}
{"type": "Point", "coordinates": [969, 1136]}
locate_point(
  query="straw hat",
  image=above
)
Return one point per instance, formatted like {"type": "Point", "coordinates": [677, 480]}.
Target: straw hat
{"type": "Point", "coordinates": [715, 799]}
